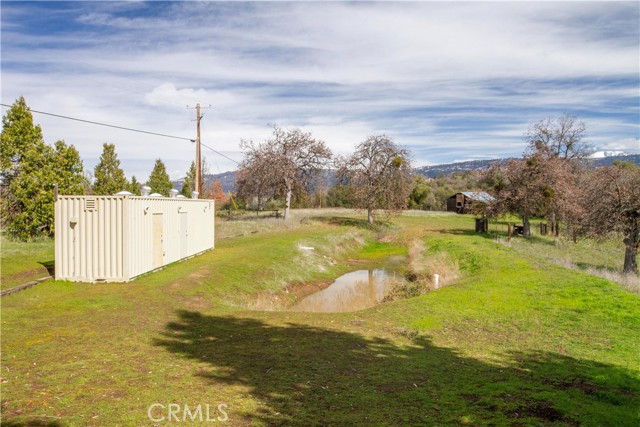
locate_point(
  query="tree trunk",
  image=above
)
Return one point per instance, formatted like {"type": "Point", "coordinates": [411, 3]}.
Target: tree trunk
{"type": "Point", "coordinates": [631, 254]}
{"type": "Point", "coordinates": [370, 215]}
{"type": "Point", "coordinates": [287, 204]}
{"type": "Point", "coordinates": [526, 232]}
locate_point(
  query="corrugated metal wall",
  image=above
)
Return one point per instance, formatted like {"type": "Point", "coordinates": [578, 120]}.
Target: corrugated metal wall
{"type": "Point", "coordinates": [116, 238]}
{"type": "Point", "coordinates": [89, 238]}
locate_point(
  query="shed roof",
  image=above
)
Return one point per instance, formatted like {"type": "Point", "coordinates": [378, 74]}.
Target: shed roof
{"type": "Point", "coordinates": [479, 196]}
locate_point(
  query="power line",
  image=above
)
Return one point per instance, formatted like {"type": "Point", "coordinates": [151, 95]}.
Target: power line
{"type": "Point", "coordinates": [220, 154]}
{"type": "Point", "coordinates": [107, 125]}
{"type": "Point", "coordinates": [128, 129]}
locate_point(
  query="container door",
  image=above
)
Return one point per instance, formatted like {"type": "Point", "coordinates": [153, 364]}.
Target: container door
{"type": "Point", "coordinates": [158, 241]}
{"type": "Point", "coordinates": [184, 235]}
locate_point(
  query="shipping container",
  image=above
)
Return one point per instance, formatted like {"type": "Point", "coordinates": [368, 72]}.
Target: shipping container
{"type": "Point", "coordinates": [116, 238]}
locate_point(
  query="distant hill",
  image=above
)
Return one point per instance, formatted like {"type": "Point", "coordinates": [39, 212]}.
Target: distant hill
{"type": "Point", "coordinates": [228, 179]}
{"type": "Point", "coordinates": [608, 160]}
{"type": "Point", "coordinates": [447, 169]}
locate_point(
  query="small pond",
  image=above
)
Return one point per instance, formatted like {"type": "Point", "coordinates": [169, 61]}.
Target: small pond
{"type": "Point", "coordinates": [350, 292]}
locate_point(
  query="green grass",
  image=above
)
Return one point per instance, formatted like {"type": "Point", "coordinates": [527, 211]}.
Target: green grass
{"type": "Point", "coordinates": [516, 341]}
{"type": "Point", "coordinates": [23, 262]}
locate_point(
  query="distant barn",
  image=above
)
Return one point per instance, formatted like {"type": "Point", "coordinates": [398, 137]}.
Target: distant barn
{"type": "Point", "coordinates": [467, 201]}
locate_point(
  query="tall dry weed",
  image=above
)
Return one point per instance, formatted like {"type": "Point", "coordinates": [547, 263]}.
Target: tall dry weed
{"type": "Point", "coordinates": [630, 282]}
{"type": "Point", "coordinates": [421, 270]}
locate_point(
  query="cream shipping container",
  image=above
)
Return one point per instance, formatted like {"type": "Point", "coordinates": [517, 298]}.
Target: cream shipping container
{"type": "Point", "coordinates": [116, 238]}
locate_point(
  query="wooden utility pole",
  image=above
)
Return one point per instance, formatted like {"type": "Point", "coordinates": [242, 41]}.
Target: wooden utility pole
{"type": "Point", "coordinates": [198, 185]}
{"type": "Point", "coordinates": [198, 178]}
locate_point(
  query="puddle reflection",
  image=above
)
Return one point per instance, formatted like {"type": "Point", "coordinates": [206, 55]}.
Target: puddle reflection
{"type": "Point", "coordinates": [352, 291]}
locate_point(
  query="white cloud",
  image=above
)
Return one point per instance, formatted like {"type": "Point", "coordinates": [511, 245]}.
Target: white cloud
{"type": "Point", "coordinates": [627, 145]}
{"type": "Point", "coordinates": [450, 80]}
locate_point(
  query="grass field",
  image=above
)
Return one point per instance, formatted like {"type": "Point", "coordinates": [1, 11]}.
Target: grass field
{"type": "Point", "coordinates": [515, 341]}
{"type": "Point", "coordinates": [23, 262]}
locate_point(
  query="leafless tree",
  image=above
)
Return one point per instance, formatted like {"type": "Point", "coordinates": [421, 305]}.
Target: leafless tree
{"type": "Point", "coordinates": [535, 185]}
{"type": "Point", "coordinates": [545, 181]}
{"type": "Point", "coordinates": [562, 138]}
{"type": "Point", "coordinates": [282, 166]}
{"type": "Point", "coordinates": [612, 205]}
{"type": "Point", "coordinates": [380, 174]}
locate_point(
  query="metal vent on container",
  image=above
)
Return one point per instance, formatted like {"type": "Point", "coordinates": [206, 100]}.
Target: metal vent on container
{"type": "Point", "coordinates": [90, 204]}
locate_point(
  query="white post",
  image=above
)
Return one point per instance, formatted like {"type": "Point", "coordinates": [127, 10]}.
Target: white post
{"type": "Point", "coordinates": [436, 281]}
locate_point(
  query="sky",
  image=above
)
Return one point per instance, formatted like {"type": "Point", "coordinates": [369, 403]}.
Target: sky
{"type": "Point", "coordinates": [451, 81]}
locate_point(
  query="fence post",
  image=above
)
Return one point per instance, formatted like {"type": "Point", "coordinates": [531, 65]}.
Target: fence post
{"type": "Point", "coordinates": [543, 229]}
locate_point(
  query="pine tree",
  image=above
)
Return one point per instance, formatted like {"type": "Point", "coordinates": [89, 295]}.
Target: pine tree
{"type": "Point", "coordinates": [29, 169]}
{"type": "Point", "coordinates": [42, 166]}
{"type": "Point", "coordinates": [109, 177]}
{"type": "Point", "coordinates": [159, 180]}
{"type": "Point", "coordinates": [18, 135]}
{"type": "Point", "coordinates": [134, 186]}
{"type": "Point", "coordinates": [189, 181]}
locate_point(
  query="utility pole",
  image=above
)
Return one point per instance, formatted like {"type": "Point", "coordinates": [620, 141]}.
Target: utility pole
{"type": "Point", "coordinates": [198, 185]}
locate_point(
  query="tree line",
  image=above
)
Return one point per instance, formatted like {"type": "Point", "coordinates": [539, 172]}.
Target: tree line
{"type": "Point", "coordinates": [550, 180]}
{"type": "Point", "coordinates": [290, 165]}
{"type": "Point", "coordinates": [30, 168]}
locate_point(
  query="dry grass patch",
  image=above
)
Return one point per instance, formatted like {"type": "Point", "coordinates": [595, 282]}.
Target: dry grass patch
{"type": "Point", "coordinates": [422, 268]}
{"type": "Point", "coordinates": [630, 282]}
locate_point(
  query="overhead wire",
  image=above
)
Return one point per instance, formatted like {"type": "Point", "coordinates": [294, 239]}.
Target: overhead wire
{"type": "Point", "coordinates": [128, 129]}
{"type": "Point", "coordinates": [220, 154]}
{"type": "Point", "coordinates": [107, 125]}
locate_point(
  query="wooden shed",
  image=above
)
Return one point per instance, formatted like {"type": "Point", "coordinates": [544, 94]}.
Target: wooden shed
{"type": "Point", "coordinates": [467, 202]}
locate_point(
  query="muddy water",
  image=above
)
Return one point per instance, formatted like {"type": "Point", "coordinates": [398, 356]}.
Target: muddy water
{"type": "Point", "coordinates": [353, 291]}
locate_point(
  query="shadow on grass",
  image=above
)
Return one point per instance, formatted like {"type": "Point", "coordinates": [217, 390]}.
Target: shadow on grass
{"type": "Point", "coordinates": [31, 423]}
{"type": "Point", "coordinates": [50, 266]}
{"type": "Point", "coordinates": [309, 376]}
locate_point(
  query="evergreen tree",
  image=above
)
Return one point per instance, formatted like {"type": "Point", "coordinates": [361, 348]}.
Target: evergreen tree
{"type": "Point", "coordinates": [189, 181]}
{"type": "Point", "coordinates": [42, 166]}
{"type": "Point", "coordinates": [134, 186]}
{"type": "Point", "coordinates": [29, 169]}
{"type": "Point", "coordinates": [109, 177]}
{"type": "Point", "coordinates": [18, 135]}
{"type": "Point", "coordinates": [67, 168]}
{"type": "Point", "coordinates": [159, 180]}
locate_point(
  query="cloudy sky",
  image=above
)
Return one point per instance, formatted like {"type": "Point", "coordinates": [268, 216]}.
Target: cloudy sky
{"type": "Point", "coordinates": [452, 81]}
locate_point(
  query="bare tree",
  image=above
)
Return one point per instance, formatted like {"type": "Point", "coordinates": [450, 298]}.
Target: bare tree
{"type": "Point", "coordinates": [612, 205]}
{"type": "Point", "coordinates": [536, 185]}
{"type": "Point", "coordinates": [380, 175]}
{"type": "Point", "coordinates": [282, 166]}
{"type": "Point", "coordinates": [562, 138]}
{"type": "Point", "coordinates": [544, 181]}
